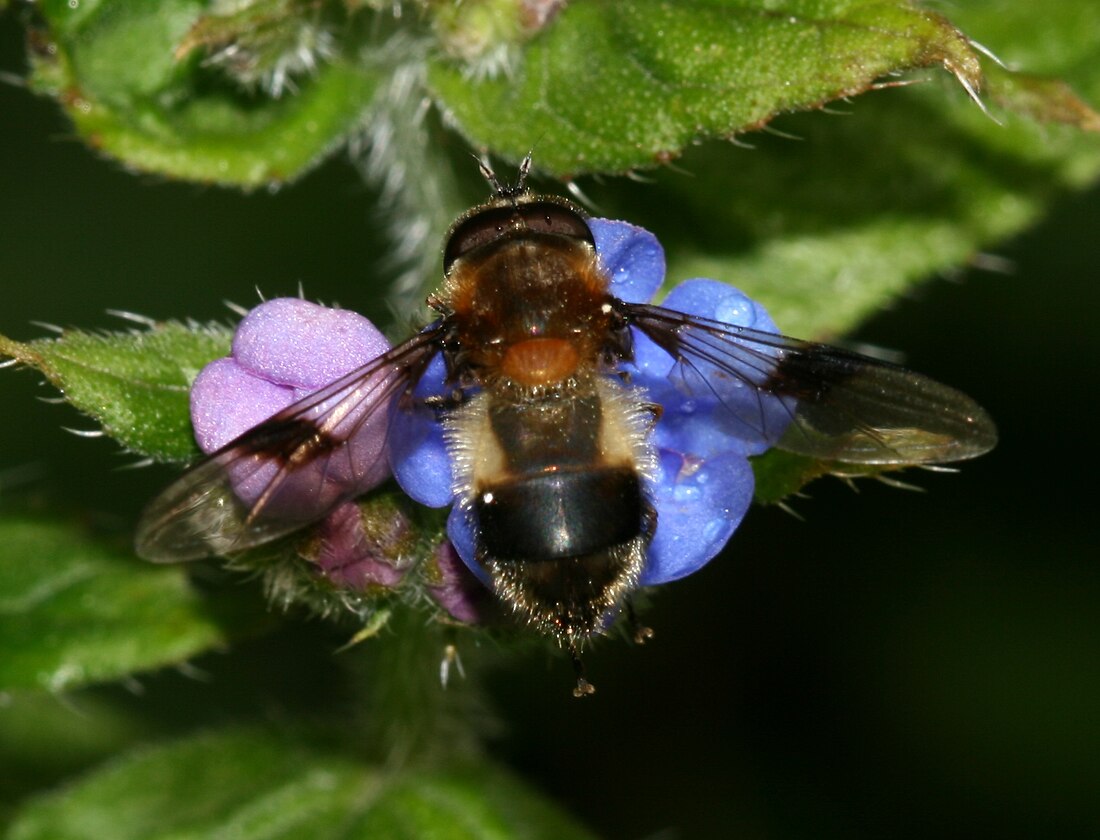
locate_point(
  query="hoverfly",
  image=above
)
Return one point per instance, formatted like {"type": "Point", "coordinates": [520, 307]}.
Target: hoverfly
{"type": "Point", "coordinates": [551, 447]}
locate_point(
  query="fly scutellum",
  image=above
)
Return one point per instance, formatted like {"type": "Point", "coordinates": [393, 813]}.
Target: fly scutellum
{"type": "Point", "coordinates": [551, 448]}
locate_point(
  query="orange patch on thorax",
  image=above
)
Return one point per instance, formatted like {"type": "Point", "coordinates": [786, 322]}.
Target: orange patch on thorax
{"type": "Point", "coordinates": [540, 361]}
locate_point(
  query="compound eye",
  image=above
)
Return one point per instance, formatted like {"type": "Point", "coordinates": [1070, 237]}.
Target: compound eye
{"type": "Point", "coordinates": [491, 223]}
{"type": "Point", "coordinates": [482, 227]}
{"type": "Point", "coordinates": [560, 219]}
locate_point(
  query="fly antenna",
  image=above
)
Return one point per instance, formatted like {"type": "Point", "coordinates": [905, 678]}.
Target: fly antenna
{"type": "Point", "coordinates": [501, 191]}
{"type": "Point", "coordinates": [489, 175]}
{"type": "Point", "coordinates": [524, 169]}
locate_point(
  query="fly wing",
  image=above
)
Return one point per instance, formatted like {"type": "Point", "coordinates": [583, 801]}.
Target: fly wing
{"type": "Point", "coordinates": [814, 399]}
{"type": "Point", "coordinates": [291, 469]}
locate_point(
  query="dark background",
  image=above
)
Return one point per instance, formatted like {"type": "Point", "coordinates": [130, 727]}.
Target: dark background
{"type": "Point", "coordinates": [898, 664]}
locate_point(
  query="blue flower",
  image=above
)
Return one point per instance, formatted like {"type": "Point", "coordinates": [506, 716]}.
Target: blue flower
{"type": "Point", "coordinates": [703, 483]}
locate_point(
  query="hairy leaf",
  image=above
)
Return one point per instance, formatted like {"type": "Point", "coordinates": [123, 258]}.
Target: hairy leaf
{"type": "Point", "coordinates": [610, 86]}
{"type": "Point", "coordinates": [781, 474]}
{"type": "Point", "coordinates": [842, 214]}
{"type": "Point", "coordinates": [129, 76]}
{"type": "Point", "coordinates": [135, 384]}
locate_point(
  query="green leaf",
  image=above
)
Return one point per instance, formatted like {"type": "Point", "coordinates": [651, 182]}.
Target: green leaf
{"type": "Point", "coordinates": [781, 474]}
{"type": "Point", "coordinates": [1053, 54]}
{"type": "Point", "coordinates": [828, 231]}
{"type": "Point", "coordinates": [134, 384]}
{"type": "Point", "coordinates": [611, 86]}
{"type": "Point", "coordinates": [1043, 99]}
{"type": "Point", "coordinates": [73, 612]}
{"type": "Point", "coordinates": [474, 802]}
{"type": "Point", "coordinates": [45, 740]}
{"type": "Point", "coordinates": [251, 784]}
{"type": "Point", "coordinates": [118, 70]}
{"type": "Point", "coordinates": [831, 224]}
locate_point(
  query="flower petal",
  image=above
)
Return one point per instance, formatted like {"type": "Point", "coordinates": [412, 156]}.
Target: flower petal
{"type": "Point", "coordinates": [720, 301]}
{"type": "Point", "coordinates": [699, 505]}
{"type": "Point", "coordinates": [705, 299]}
{"type": "Point", "coordinates": [291, 341]}
{"type": "Point", "coordinates": [710, 406]}
{"type": "Point", "coordinates": [463, 536]}
{"type": "Point", "coordinates": [227, 401]}
{"type": "Point", "coordinates": [419, 459]}
{"type": "Point", "coordinates": [458, 592]}
{"type": "Point", "coordinates": [631, 257]}
{"type": "Point", "coordinates": [285, 350]}
{"type": "Point", "coordinates": [353, 559]}
{"type": "Point", "coordinates": [417, 449]}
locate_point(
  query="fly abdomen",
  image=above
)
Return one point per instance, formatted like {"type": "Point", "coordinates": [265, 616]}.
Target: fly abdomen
{"type": "Point", "coordinates": [555, 486]}
{"type": "Point", "coordinates": [562, 513]}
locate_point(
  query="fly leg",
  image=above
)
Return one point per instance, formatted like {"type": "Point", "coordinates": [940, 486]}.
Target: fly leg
{"type": "Point", "coordinates": [639, 632]}
{"type": "Point", "coordinates": [583, 687]}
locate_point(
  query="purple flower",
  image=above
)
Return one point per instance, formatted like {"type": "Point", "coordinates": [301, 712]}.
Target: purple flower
{"type": "Point", "coordinates": [284, 350]}
{"type": "Point", "coordinates": [357, 554]}
{"type": "Point", "coordinates": [710, 423]}
{"type": "Point", "coordinates": [456, 590]}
